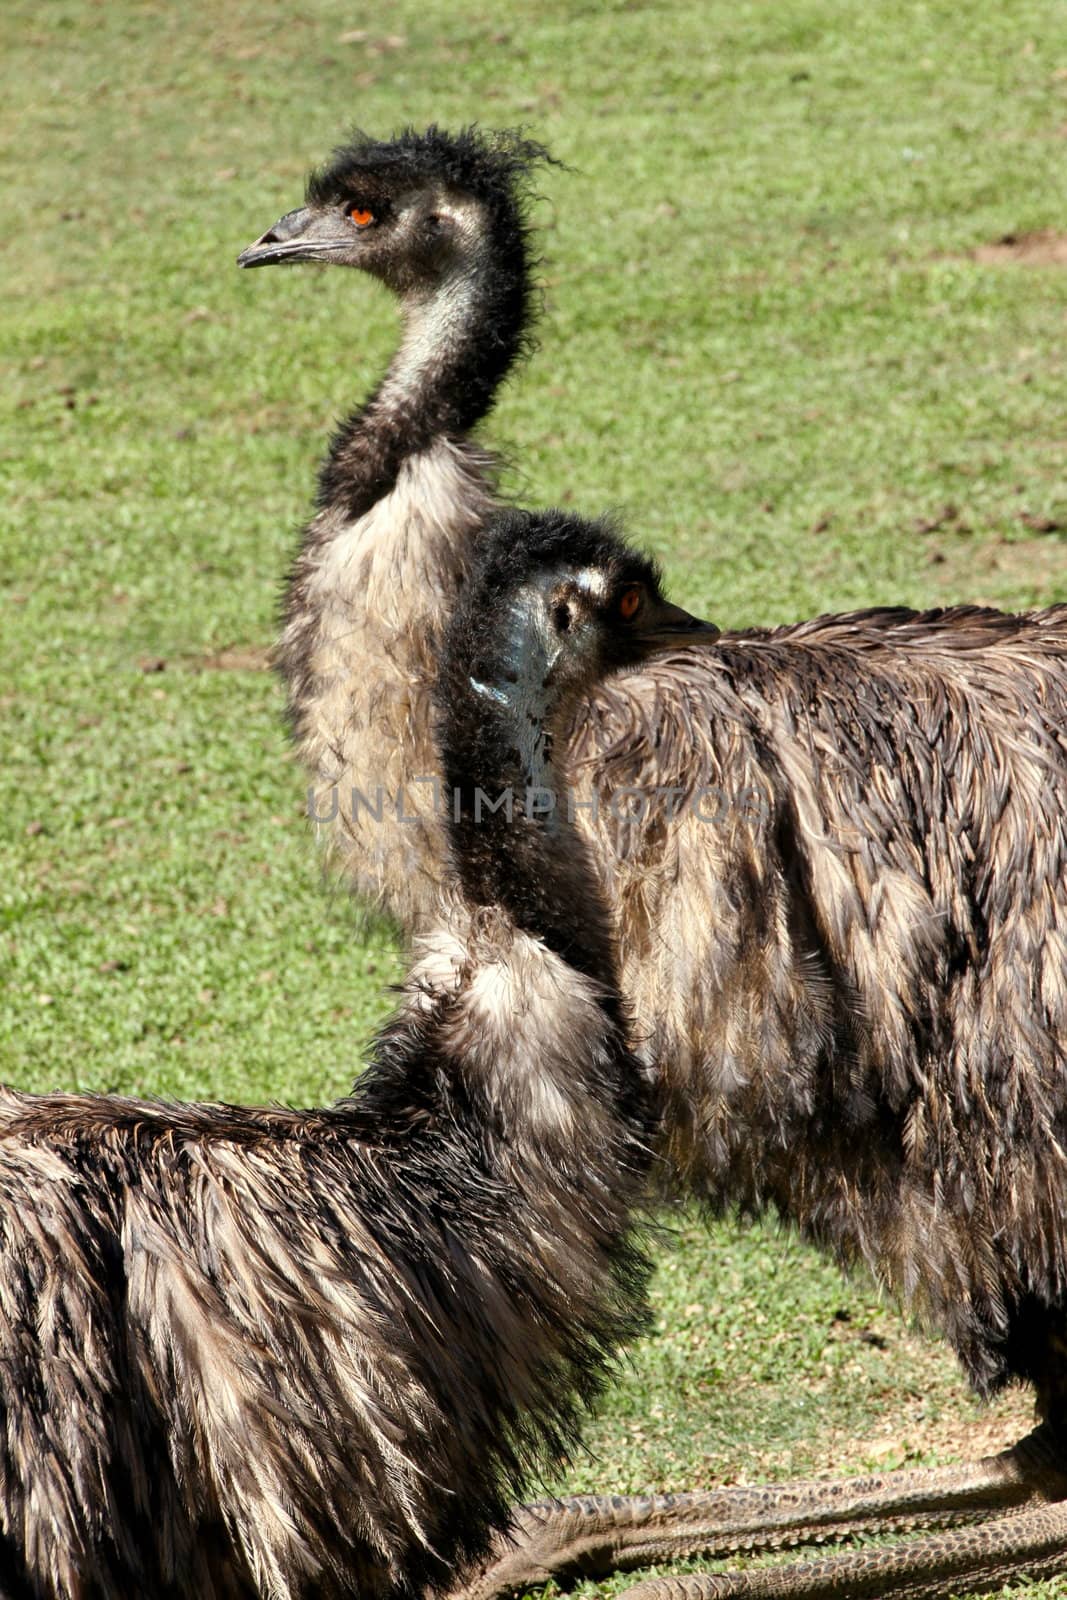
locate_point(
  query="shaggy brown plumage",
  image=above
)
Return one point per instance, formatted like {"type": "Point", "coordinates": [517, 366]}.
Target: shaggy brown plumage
{"type": "Point", "coordinates": [852, 962]}
{"type": "Point", "coordinates": [251, 1352]}
{"type": "Point", "coordinates": [248, 1352]}
{"type": "Point", "coordinates": [843, 931]}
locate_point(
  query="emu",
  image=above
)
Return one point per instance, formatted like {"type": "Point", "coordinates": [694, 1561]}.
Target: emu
{"type": "Point", "coordinates": [250, 1352]}
{"type": "Point", "coordinates": [855, 988]}
{"type": "Point", "coordinates": [850, 967]}
{"type": "Point", "coordinates": [404, 490]}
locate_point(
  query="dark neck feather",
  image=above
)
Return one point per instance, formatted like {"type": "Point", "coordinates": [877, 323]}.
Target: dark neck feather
{"type": "Point", "coordinates": [533, 862]}
{"type": "Point", "coordinates": [459, 344]}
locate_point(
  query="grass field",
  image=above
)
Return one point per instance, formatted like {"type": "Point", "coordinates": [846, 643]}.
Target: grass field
{"type": "Point", "coordinates": [782, 334]}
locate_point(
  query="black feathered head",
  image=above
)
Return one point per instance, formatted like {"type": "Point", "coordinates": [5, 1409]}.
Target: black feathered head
{"type": "Point", "coordinates": [493, 168]}
{"type": "Point", "coordinates": [412, 209]}
{"type": "Point", "coordinates": [561, 596]}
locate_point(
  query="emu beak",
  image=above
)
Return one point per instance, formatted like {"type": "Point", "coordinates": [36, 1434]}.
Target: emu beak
{"type": "Point", "coordinates": [669, 626]}
{"type": "Point", "coordinates": [301, 235]}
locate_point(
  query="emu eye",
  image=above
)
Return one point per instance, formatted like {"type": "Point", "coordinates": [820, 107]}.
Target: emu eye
{"type": "Point", "coordinates": [362, 216]}
{"type": "Point", "coordinates": [629, 602]}
{"type": "Point", "coordinates": [561, 617]}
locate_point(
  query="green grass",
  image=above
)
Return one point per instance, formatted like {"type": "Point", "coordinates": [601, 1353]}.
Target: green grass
{"type": "Point", "coordinates": [766, 339]}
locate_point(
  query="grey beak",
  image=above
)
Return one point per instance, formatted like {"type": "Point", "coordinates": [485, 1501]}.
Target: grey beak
{"type": "Point", "coordinates": [294, 237]}
{"type": "Point", "coordinates": [673, 626]}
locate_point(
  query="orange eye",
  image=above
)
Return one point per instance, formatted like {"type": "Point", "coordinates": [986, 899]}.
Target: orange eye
{"type": "Point", "coordinates": [629, 601]}
{"type": "Point", "coordinates": [362, 216]}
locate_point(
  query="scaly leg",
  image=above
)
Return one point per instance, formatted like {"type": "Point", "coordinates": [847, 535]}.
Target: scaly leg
{"type": "Point", "coordinates": [594, 1535]}
{"type": "Point", "coordinates": [1030, 1544]}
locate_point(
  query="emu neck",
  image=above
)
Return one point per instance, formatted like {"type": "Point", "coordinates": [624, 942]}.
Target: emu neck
{"type": "Point", "coordinates": [512, 836]}
{"type": "Point", "coordinates": [458, 344]}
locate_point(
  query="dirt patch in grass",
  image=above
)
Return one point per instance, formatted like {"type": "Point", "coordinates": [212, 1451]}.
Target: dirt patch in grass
{"type": "Point", "coordinates": [920, 1410]}
{"type": "Point", "coordinates": [1004, 572]}
{"type": "Point", "coordinates": [238, 658]}
{"type": "Point", "coordinates": [235, 658]}
{"type": "Point", "coordinates": [961, 1434]}
{"type": "Point", "coordinates": [1042, 248]}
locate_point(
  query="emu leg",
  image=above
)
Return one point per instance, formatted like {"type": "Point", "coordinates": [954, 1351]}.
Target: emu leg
{"type": "Point", "coordinates": [594, 1535]}
{"type": "Point", "coordinates": [1030, 1544]}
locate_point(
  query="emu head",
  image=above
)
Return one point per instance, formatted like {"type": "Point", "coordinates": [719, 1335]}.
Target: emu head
{"type": "Point", "coordinates": [555, 604]}
{"type": "Point", "coordinates": [414, 210]}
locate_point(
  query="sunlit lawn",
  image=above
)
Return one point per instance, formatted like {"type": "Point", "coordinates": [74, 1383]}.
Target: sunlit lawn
{"type": "Point", "coordinates": [772, 338]}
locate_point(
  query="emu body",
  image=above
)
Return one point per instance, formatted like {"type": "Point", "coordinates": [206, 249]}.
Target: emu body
{"type": "Point", "coordinates": [252, 1352]}
{"type": "Point", "coordinates": [854, 975]}
{"type": "Point", "coordinates": [249, 1352]}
